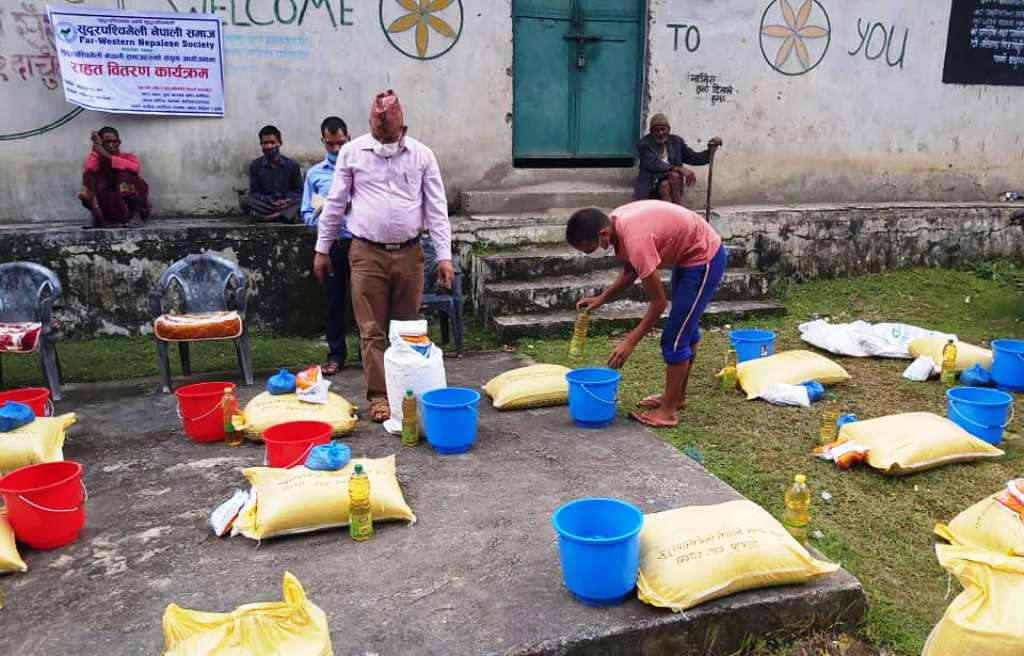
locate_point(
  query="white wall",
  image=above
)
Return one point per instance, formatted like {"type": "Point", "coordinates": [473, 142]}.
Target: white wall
{"type": "Point", "coordinates": [850, 129]}
{"type": "Point", "coordinates": [456, 104]}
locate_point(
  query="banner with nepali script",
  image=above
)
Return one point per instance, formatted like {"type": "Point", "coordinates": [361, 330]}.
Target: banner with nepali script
{"type": "Point", "coordinates": [134, 62]}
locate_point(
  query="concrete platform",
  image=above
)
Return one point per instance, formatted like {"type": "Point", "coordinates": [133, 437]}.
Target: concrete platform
{"type": "Point", "coordinates": [478, 573]}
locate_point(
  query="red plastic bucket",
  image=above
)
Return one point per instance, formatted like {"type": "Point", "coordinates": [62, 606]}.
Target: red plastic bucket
{"type": "Point", "coordinates": [37, 398]}
{"type": "Point", "coordinates": [289, 443]}
{"type": "Point", "coordinates": [45, 503]}
{"type": "Point", "coordinates": [199, 409]}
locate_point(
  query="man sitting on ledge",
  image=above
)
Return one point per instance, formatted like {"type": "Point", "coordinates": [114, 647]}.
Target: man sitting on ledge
{"type": "Point", "coordinates": [662, 175]}
{"type": "Point", "coordinates": [111, 187]}
{"type": "Point", "coordinates": [275, 183]}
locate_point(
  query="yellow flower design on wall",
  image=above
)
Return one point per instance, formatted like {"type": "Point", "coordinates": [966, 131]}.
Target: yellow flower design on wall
{"type": "Point", "coordinates": [805, 32]}
{"type": "Point", "coordinates": [422, 29]}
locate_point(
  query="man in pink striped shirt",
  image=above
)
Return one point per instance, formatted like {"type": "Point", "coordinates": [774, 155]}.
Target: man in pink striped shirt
{"type": "Point", "coordinates": [111, 187]}
{"type": "Point", "coordinates": [395, 189]}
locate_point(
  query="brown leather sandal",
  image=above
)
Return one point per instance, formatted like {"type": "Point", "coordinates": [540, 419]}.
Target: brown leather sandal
{"type": "Point", "coordinates": [380, 411]}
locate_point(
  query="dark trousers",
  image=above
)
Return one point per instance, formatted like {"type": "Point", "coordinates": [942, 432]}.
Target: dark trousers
{"type": "Point", "coordinates": [338, 302]}
{"type": "Point", "coordinates": [262, 209]}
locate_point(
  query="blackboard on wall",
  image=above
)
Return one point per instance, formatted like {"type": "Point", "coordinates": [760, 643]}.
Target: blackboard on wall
{"type": "Point", "coordinates": [985, 43]}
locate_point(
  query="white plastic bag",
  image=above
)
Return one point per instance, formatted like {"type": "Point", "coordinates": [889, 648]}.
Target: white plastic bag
{"type": "Point", "coordinates": [862, 340]}
{"type": "Point", "coordinates": [783, 394]}
{"type": "Point", "coordinates": [921, 369]}
{"type": "Point", "coordinates": [224, 515]}
{"type": "Point", "coordinates": [406, 367]}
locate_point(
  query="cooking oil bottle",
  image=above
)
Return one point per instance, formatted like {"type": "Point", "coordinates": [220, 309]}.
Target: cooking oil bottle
{"type": "Point", "coordinates": [829, 415]}
{"type": "Point", "coordinates": [729, 373]}
{"type": "Point", "coordinates": [948, 375]}
{"type": "Point", "coordinates": [797, 514]}
{"type": "Point", "coordinates": [579, 333]}
{"type": "Point", "coordinates": [229, 408]}
{"type": "Point", "coordinates": [410, 419]}
{"type": "Point", "coordinates": [360, 516]}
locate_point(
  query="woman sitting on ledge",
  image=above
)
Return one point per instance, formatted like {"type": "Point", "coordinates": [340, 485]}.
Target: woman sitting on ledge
{"type": "Point", "coordinates": [111, 187]}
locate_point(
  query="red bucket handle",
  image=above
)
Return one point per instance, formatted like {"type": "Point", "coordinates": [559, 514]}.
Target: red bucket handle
{"type": "Point", "coordinates": [202, 416]}
{"type": "Point", "coordinates": [302, 458]}
{"type": "Point", "coordinates": [85, 494]}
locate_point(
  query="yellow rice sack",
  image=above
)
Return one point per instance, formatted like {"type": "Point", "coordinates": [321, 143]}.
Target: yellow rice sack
{"type": "Point", "coordinates": [991, 525]}
{"type": "Point", "coordinates": [967, 355]}
{"type": "Point", "coordinates": [535, 386]}
{"type": "Point", "coordinates": [294, 626]}
{"type": "Point", "coordinates": [915, 441]}
{"type": "Point", "coordinates": [266, 410]}
{"type": "Point", "coordinates": [689, 556]}
{"type": "Point", "coordinates": [790, 367]}
{"type": "Point", "coordinates": [40, 441]}
{"type": "Point", "coordinates": [984, 619]}
{"type": "Point", "coordinates": [10, 559]}
{"type": "Point", "coordinates": [301, 500]}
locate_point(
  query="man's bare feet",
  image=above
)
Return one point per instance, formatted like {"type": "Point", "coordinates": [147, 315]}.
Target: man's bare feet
{"type": "Point", "coordinates": [653, 402]}
{"type": "Point", "coordinates": [656, 419]}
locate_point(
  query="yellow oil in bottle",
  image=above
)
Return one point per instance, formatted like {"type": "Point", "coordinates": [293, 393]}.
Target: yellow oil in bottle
{"type": "Point", "coordinates": [729, 373]}
{"type": "Point", "coordinates": [829, 415]}
{"type": "Point", "coordinates": [797, 514]}
{"type": "Point", "coordinates": [948, 375]}
{"type": "Point", "coordinates": [410, 419]}
{"type": "Point", "coordinates": [579, 334]}
{"type": "Point", "coordinates": [360, 515]}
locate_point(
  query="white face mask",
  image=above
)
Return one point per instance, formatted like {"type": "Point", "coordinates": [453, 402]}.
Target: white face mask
{"type": "Point", "coordinates": [600, 251]}
{"type": "Point", "coordinates": [385, 150]}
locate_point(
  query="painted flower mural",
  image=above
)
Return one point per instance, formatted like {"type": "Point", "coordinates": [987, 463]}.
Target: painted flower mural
{"type": "Point", "coordinates": [793, 42]}
{"type": "Point", "coordinates": [422, 29]}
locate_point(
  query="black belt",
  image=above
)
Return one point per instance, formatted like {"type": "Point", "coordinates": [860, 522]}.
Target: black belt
{"type": "Point", "coordinates": [390, 247]}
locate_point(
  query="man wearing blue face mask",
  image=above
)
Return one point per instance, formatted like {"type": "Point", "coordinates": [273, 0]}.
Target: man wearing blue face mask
{"type": "Point", "coordinates": [337, 292]}
{"type": "Point", "coordinates": [275, 183]}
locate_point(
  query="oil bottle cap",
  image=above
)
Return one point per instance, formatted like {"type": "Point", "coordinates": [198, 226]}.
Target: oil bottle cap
{"type": "Point", "coordinates": [410, 393]}
{"type": "Point", "coordinates": [799, 478]}
{"type": "Point", "coordinates": [359, 469]}
{"type": "Point", "coordinates": [227, 390]}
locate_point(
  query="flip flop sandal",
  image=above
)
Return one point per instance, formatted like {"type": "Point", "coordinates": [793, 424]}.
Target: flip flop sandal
{"type": "Point", "coordinates": [331, 367]}
{"type": "Point", "coordinates": [649, 402]}
{"type": "Point", "coordinates": [641, 418]}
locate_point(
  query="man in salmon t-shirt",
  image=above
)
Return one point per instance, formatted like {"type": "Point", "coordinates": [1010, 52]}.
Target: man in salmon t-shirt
{"type": "Point", "coordinates": [649, 235]}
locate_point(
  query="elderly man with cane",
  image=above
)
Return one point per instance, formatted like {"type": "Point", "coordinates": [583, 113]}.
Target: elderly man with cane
{"type": "Point", "coordinates": [395, 189]}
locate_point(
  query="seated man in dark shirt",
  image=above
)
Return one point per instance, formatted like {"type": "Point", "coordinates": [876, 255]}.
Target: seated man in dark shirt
{"type": "Point", "coordinates": [275, 183]}
{"type": "Point", "coordinates": [662, 155]}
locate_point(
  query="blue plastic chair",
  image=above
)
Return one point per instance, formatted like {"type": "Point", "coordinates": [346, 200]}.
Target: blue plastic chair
{"type": "Point", "coordinates": [27, 294]}
{"type": "Point", "coordinates": [207, 283]}
{"type": "Point", "coordinates": [447, 304]}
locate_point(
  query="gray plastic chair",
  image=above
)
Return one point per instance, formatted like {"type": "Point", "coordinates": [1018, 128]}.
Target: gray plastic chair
{"type": "Point", "coordinates": [27, 294]}
{"type": "Point", "coordinates": [207, 283]}
{"type": "Point", "coordinates": [448, 304]}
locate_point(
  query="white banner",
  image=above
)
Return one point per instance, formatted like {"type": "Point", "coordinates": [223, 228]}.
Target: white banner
{"type": "Point", "coordinates": [134, 62]}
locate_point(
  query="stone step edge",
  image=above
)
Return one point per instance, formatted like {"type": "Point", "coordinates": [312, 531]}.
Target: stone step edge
{"type": "Point", "coordinates": [590, 278]}
{"type": "Point", "coordinates": [515, 325]}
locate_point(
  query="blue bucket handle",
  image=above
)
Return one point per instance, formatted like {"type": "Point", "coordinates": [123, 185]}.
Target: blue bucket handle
{"type": "Point", "coordinates": [614, 401]}
{"type": "Point", "coordinates": [952, 406]}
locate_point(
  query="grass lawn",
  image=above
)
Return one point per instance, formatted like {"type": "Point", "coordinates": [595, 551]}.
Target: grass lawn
{"type": "Point", "coordinates": [879, 528]}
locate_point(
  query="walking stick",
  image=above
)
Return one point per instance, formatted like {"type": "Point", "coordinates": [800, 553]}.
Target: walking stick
{"type": "Point", "coordinates": [711, 176]}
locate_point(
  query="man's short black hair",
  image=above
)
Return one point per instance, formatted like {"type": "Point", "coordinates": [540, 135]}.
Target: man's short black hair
{"type": "Point", "coordinates": [108, 130]}
{"type": "Point", "coordinates": [584, 225]}
{"type": "Point", "coordinates": [333, 124]}
{"type": "Point", "coordinates": [270, 129]}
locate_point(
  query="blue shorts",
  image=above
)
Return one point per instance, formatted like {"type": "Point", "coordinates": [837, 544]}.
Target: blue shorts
{"type": "Point", "coordinates": [692, 290]}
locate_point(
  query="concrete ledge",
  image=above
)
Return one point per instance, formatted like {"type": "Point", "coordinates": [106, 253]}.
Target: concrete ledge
{"type": "Point", "coordinates": [477, 574]}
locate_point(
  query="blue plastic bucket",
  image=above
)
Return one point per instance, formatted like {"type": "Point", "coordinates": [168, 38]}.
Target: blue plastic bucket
{"type": "Point", "coordinates": [599, 547]}
{"type": "Point", "coordinates": [593, 395]}
{"type": "Point", "coordinates": [1008, 364]}
{"type": "Point", "coordinates": [982, 412]}
{"type": "Point", "coordinates": [449, 418]}
{"type": "Point", "coordinates": [752, 344]}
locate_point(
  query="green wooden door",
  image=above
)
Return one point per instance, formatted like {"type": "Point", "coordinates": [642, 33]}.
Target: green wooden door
{"type": "Point", "coordinates": [576, 78]}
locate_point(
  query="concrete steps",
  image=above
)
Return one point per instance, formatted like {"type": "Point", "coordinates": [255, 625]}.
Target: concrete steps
{"type": "Point", "coordinates": [621, 314]}
{"type": "Point", "coordinates": [548, 294]}
{"type": "Point", "coordinates": [526, 280]}
{"type": "Point", "coordinates": [534, 197]}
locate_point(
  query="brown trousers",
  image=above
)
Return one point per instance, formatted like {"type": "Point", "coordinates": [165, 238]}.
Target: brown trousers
{"type": "Point", "coordinates": [386, 285]}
